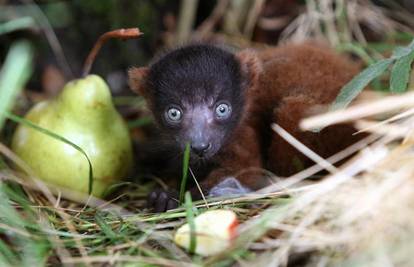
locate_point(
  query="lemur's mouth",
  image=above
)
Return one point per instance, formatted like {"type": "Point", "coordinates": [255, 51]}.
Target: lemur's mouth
{"type": "Point", "coordinates": [199, 160]}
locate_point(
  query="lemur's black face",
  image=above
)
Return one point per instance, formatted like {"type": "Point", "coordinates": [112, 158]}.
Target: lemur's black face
{"type": "Point", "coordinates": [198, 97]}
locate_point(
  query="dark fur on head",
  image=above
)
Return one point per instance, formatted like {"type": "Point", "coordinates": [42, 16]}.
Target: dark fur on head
{"type": "Point", "coordinates": [201, 82]}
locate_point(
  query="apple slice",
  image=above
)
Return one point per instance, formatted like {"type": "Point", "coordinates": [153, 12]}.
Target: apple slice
{"type": "Point", "coordinates": [214, 231]}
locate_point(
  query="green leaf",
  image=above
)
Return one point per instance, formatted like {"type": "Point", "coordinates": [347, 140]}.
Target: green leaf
{"type": "Point", "coordinates": [400, 51]}
{"type": "Point", "coordinates": [8, 215]}
{"type": "Point", "coordinates": [190, 221]}
{"type": "Point", "coordinates": [400, 73]}
{"type": "Point", "coordinates": [17, 24]}
{"type": "Point", "coordinates": [14, 74]}
{"type": "Point", "coordinates": [356, 49]}
{"type": "Point", "coordinates": [15, 194]}
{"type": "Point", "coordinates": [31, 248]}
{"type": "Point", "coordinates": [35, 252]}
{"type": "Point", "coordinates": [355, 86]}
{"type": "Point", "coordinates": [186, 161]}
{"type": "Point", "coordinates": [3, 164]}
{"type": "Point", "coordinates": [7, 256]}
{"type": "Point", "coordinates": [139, 122]}
{"type": "Point", "coordinates": [30, 124]}
{"type": "Point", "coordinates": [104, 226]}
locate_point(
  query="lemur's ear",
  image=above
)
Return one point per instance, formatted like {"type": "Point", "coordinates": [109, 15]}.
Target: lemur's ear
{"type": "Point", "coordinates": [137, 78]}
{"type": "Point", "coordinates": [251, 66]}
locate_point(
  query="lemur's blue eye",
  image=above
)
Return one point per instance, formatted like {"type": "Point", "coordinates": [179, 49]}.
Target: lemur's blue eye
{"type": "Point", "coordinates": [223, 111]}
{"type": "Point", "coordinates": [173, 115]}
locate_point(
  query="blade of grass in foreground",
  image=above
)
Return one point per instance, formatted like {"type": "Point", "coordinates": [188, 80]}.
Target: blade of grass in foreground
{"type": "Point", "coordinates": [186, 161]}
{"type": "Point", "coordinates": [104, 226]}
{"type": "Point", "coordinates": [190, 220]}
{"type": "Point", "coordinates": [30, 248]}
{"type": "Point", "coordinates": [28, 123]}
{"type": "Point", "coordinates": [16, 71]}
{"type": "Point", "coordinates": [7, 256]}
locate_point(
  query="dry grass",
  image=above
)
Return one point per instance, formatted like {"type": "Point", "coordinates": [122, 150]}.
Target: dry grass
{"type": "Point", "coordinates": [340, 21]}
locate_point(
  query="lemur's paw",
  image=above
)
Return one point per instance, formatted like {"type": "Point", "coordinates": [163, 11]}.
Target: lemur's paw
{"type": "Point", "coordinates": [229, 187]}
{"type": "Point", "coordinates": [161, 200]}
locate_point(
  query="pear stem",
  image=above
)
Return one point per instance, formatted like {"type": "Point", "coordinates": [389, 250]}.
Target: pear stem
{"type": "Point", "coordinates": [122, 34]}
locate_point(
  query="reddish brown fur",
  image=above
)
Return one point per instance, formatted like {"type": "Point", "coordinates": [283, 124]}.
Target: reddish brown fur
{"type": "Point", "coordinates": [294, 79]}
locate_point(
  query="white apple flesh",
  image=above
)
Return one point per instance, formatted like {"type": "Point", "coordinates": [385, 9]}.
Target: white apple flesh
{"type": "Point", "coordinates": [214, 231]}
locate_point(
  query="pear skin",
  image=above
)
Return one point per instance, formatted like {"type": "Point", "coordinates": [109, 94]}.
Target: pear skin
{"type": "Point", "coordinates": [84, 114]}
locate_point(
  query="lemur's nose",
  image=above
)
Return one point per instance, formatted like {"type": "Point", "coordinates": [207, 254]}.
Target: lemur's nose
{"type": "Point", "coordinates": [200, 148]}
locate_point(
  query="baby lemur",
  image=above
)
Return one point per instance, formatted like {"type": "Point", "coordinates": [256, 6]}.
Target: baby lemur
{"type": "Point", "coordinates": [223, 105]}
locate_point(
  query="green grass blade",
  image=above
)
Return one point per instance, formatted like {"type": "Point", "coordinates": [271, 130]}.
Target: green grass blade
{"type": "Point", "coordinates": [15, 194]}
{"type": "Point", "coordinates": [400, 51]}
{"type": "Point", "coordinates": [8, 215]}
{"type": "Point", "coordinates": [16, 70]}
{"type": "Point", "coordinates": [139, 122]}
{"type": "Point", "coordinates": [3, 164]}
{"type": "Point", "coordinates": [400, 73]}
{"type": "Point", "coordinates": [104, 226]}
{"type": "Point", "coordinates": [7, 256]}
{"type": "Point", "coordinates": [33, 249]}
{"type": "Point", "coordinates": [356, 49]}
{"type": "Point", "coordinates": [17, 24]}
{"type": "Point", "coordinates": [359, 82]}
{"type": "Point", "coordinates": [186, 161]}
{"type": "Point", "coordinates": [35, 253]}
{"type": "Point", "coordinates": [30, 124]}
{"type": "Point", "coordinates": [190, 220]}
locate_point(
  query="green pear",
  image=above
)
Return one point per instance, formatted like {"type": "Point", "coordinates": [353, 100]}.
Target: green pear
{"type": "Point", "coordinates": [84, 114]}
